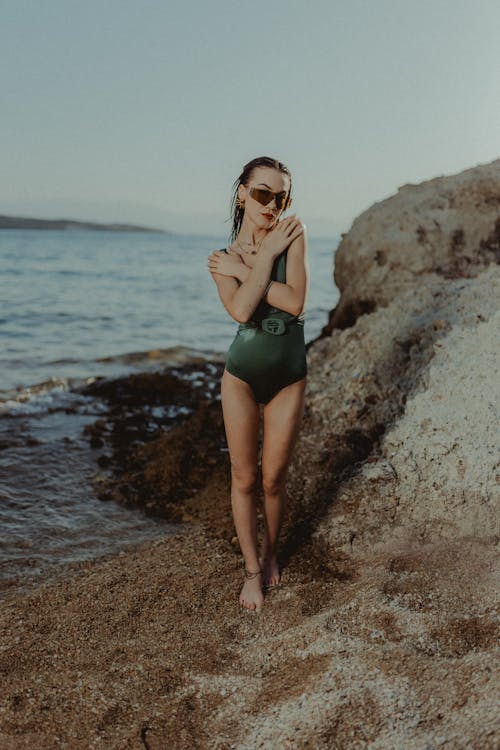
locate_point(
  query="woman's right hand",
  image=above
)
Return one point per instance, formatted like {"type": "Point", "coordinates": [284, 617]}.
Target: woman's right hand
{"type": "Point", "coordinates": [278, 238]}
{"type": "Point", "coordinates": [226, 265]}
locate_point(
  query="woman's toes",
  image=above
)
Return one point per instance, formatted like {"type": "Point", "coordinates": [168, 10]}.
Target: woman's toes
{"type": "Point", "coordinates": [271, 571]}
{"type": "Point", "coordinates": [251, 596]}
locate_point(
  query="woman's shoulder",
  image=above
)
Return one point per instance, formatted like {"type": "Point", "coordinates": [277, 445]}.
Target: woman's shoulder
{"type": "Point", "coordinates": [298, 246]}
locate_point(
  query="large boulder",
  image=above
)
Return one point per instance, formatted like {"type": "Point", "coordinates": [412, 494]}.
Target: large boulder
{"type": "Point", "coordinates": [447, 227]}
{"type": "Point", "coordinates": [400, 433]}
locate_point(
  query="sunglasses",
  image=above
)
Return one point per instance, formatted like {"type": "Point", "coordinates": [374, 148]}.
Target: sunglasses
{"type": "Point", "coordinates": [265, 196]}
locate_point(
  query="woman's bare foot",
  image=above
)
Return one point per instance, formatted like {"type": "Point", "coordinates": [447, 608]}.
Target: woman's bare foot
{"type": "Point", "coordinates": [271, 570]}
{"type": "Point", "coordinates": [251, 596]}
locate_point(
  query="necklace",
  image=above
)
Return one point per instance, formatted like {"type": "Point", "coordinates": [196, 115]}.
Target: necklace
{"type": "Point", "coordinates": [251, 252]}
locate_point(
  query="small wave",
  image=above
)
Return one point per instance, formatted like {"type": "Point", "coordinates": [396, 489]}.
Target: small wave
{"type": "Point", "coordinates": [51, 395]}
{"type": "Point", "coordinates": [175, 355]}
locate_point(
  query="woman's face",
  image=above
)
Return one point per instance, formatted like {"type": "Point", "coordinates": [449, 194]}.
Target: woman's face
{"type": "Point", "coordinates": [264, 178]}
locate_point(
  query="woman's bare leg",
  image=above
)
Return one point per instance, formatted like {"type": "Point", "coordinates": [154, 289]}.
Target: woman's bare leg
{"type": "Point", "coordinates": [241, 421]}
{"type": "Point", "coordinates": [282, 419]}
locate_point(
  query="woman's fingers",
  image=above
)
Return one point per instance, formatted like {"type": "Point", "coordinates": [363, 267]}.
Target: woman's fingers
{"type": "Point", "coordinates": [293, 226]}
{"type": "Point", "coordinates": [297, 232]}
{"type": "Point", "coordinates": [289, 220]}
{"type": "Point", "coordinates": [294, 231]}
{"type": "Point", "coordinates": [213, 258]}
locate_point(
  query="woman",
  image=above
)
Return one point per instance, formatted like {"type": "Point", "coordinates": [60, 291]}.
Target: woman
{"type": "Point", "coordinates": [262, 279]}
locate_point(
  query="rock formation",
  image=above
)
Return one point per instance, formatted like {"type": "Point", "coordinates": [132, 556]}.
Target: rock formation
{"type": "Point", "coordinates": [405, 379]}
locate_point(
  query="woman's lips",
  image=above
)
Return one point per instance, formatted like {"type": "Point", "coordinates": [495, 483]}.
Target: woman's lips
{"type": "Point", "coordinates": [268, 216]}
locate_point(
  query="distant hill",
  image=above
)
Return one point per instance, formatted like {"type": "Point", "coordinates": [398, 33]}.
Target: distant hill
{"type": "Point", "coordinates": [21, 222]}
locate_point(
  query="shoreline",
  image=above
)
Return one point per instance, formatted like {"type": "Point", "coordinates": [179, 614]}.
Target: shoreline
{"type": "Point", "coordinates": [130, 412]}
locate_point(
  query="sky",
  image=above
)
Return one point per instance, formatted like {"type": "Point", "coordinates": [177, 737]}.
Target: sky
{"type": "Point", "coordinates": [146, 112]}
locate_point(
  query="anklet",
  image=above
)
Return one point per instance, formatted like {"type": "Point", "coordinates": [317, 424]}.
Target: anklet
{"type": "Point", "coordinates": [248, 574]}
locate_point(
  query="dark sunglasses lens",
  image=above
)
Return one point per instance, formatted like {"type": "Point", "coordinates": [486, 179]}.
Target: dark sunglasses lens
{"type": "Point", "coordinates": [264, 197]}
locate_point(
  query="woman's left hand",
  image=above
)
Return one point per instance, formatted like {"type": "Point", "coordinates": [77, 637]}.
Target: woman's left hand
{"type": "Point", "coordinates": [227, 265]}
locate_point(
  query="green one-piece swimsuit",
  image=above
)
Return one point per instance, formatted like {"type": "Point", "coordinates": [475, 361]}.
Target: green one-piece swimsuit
{"type": "Point", "coordinates": [269, 355]}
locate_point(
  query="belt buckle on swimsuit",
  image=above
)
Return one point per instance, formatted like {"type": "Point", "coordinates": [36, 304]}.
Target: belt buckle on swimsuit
{"type": "Point", "coordinates": [276, 326]}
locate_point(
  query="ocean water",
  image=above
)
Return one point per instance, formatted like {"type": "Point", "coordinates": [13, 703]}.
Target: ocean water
{"type": "Point", "coordinates": [79, 304]}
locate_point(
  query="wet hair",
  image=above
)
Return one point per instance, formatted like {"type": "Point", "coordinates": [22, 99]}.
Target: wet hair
{"type": "Point", "coordinates": [236, 212]}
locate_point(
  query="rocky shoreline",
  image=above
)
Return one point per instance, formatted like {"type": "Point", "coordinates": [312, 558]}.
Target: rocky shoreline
{"type": "Point", "coordinates": [384, 632]}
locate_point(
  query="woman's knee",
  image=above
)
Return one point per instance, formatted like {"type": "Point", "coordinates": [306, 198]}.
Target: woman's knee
{"type": "Point", "coordinates": [244, 478]}
{"type": "Point", "coordinates": [273, 483]}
